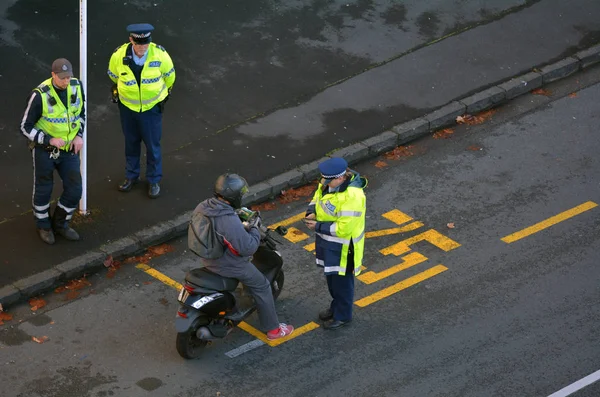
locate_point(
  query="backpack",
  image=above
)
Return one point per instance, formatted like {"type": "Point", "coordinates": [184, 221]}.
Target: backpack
{"type": "Point", "coordinates": [203, 240]}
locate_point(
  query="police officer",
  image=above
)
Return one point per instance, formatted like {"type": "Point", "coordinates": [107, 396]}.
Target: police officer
{"type": "Point", "coordinates": [144, 75]}
{"type": "Point", "coordinates": [53, 122]}
{"type": "Point", "coordinates": [337, 215]}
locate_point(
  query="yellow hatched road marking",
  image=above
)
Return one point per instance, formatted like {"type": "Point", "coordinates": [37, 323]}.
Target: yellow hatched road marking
{"type": "Point", "coordinates": [243, 325]}
{"type": "Point", "coordinates": [397, 216]}
{"type": "Point", "coordinates": [295, 236]}
{"type": "Point", "coordinates": [263, 337]}
{"type": "Point", "coordinates": [511, 238]}
{"type": "Point", "coordinates": [384, 293]}
{"type": "Point", "coordinates": [395, 230]}
{"type": "Point", "coordinates": [414, 258]}
{"type": "Point", "coordinates": [432, 236]}
{"type": "Point", "coordinates": [288, 221]}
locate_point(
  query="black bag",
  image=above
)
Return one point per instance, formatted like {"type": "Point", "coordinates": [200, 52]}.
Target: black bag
{"type": "Point", "coordinates": [203, 240]}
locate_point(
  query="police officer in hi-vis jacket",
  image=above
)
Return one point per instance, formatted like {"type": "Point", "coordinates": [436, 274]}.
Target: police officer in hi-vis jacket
{"type": "Point", "coordinates": [337, 215]}
{"type": "Point", "coordinates": [53, 122]}
{"type": "Point", "coordinates": [144, 75]}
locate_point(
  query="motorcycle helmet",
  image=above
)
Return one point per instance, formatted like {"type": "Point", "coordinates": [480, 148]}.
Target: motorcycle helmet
{"type": "Point", "coordinates": [232, 188]}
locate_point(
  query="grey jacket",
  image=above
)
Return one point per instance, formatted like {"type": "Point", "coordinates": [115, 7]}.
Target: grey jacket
{"type": "Point", "coordinates": [228, 225]}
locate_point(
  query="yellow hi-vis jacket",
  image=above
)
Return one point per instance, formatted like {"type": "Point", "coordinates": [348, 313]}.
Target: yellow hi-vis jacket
{"type": "Point", "coordinates": [157, 78]}
{"type": "Point", "coordinates": [57, 120]}
{"type": "Point", "coordinates": [340, 220]}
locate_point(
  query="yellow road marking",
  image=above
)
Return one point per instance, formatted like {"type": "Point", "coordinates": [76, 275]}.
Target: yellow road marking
{"type": "Point", "coordinates": [414, 258]}
{"type": "Point", "coordinates": [243, 325]}
{"type": "Point", "coordinates": [159, 276]}
{"type": "Point", "coordinates": [432, 236]}
{"type": "Point", "coordinates": [395, 230]}
{"type": "Point", "coordinates": [511, 238]}
{"type": "Point", "coordinates": [384, 293]}
{"type": "Point", "coordinates": [295, 236]}
{"type": "Point", "coordinates": [310, 247]}
{"type": "Point", "coordinates": [397, 216]}
{"type": "Point", "coordinates": [263, 337]}
{"type": "Point", "coordinates": [288, 221]}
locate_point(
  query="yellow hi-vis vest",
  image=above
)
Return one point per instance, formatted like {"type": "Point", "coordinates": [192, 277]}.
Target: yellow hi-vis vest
{"type": "Point", "coordinates": [157, 78]}
{"type": "Point", "coordinates": [57, 120]}
{"type": "Point", "coordinates": [341, 219]}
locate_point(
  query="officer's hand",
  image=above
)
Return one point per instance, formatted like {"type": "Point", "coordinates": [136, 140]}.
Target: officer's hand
{"type": "Point", "coordinates": [310, 223]}
{"type": "Point", "coordinates": [57, 142]}
{"type": "Point", "coordinates": [77, 144]}
{"type": "Point", "coordinates": [310, 216]}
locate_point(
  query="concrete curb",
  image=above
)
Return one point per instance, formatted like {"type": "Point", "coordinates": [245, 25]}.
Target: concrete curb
{"type": "Point", "coordinates": [443, 117]}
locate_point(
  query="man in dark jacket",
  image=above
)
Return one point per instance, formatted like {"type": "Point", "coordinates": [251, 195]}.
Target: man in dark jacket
{"type": "Point", "coordinates": [241, 243]}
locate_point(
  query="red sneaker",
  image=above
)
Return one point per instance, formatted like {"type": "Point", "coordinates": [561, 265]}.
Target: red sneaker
{"type": "Point", "coordinates": [281, 332]}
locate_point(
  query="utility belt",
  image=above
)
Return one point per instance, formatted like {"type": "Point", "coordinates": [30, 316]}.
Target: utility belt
{"type": "Point", "coordinates": [53, 151]}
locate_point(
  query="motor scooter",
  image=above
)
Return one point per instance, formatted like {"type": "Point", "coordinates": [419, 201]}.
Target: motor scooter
{"type": "Point", "coordinates": [211, 306]}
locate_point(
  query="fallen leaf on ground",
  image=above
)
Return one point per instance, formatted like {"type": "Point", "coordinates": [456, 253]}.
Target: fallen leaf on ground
{"type": "Point", "coordinates": [162, 249]}
{"type": "Point", "coordinates": [290, 195]}
{"type": "Point", "coordinates": [381, 164]}
{"type": "Point", "coordinates": [264, 207]}
{"type": "Point", "coordinates": [297, 232]}
{"type": "Point", "coordinates": [474, 148]}
{"type": "Point", "coordinates": [75, 285]}
{"type": "Point", "coordinates": [572, 95]}
{"type": "Point", "coordinates": [541, 91]}
{"type": "Point", "coordinates": [60, 289]}
{"type": "Point", "coordinates": [444, 134]}
{"type": "Point", "coordinates": [108, 261]}
{"type": "Point", "coordinates": [72, 295]}
{"type": "Point", "coordinates": [479, 118]}
{"type": "Point", "coordinates": [147, 282]}
{"type": "Point", "coordinates": [40, 340]}
{"type": "Point", "coordinates": [450, 225]}
{"type": "Point", "coordinates": [399, 152]}
{"type": "Point", "coordinates": [37, 303]}
{"type": "Point", "coordinates": [5, 317]}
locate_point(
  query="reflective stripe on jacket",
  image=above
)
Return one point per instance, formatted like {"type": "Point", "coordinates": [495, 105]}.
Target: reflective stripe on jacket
{"type": "Point", "coordinates": [57, 120]}
{"type": "Point", "coordinates": [157, 78]}
{"type": "Point", "coordinates": [340, 219]}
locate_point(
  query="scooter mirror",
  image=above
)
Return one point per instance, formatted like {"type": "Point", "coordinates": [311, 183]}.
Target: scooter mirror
{"type": "Point", "coordinates": [281, 230]}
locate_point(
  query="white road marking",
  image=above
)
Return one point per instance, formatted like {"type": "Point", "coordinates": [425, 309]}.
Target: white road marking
{"type": "Point", "coordinates": [580, 384]}
{"type": "Point", "coordinates": [244, 348]}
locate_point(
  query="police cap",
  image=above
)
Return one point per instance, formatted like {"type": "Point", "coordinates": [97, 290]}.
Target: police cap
{"type": "Point", "coordinates": [140, 32]}
{"type": "Point", "coordinates": [333, 168]}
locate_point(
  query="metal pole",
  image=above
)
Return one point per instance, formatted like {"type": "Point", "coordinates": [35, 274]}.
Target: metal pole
{"type": "Point", "coordinates": [83, 210]}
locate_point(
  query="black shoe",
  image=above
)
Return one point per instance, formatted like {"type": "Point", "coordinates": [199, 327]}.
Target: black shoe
{"type": "Point", "coordinates": [128, 184]}
{"type": "Point", "coordinates": [153, 190]}
{"type": "Point", "coordinates": [68, 233]}
{"type": "Point", "coordinates": [335, 324]}
{"type": "Point", "coordinates": [47, 235]}
{"type": "Point", "coordinates": [326, 315]}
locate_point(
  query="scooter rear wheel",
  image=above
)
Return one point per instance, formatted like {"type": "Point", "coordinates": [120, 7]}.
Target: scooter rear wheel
{"type": "Point", "coordinates": [188, 344]}
{"type": "Point", "coordinates": [277, 285]}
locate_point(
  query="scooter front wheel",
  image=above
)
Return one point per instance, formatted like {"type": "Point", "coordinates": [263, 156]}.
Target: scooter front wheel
{"type": "Point", "coordinates": [189, 346]}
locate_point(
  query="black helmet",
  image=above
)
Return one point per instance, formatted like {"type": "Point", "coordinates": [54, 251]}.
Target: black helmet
{"type": "Point", "coordinates": [232, 188]}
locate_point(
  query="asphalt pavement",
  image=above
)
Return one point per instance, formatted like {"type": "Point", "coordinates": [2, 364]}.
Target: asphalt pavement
{"type": "Point", "coordinates": [503, 303]}
{"type": "Point", "coordinates": [262, 88]}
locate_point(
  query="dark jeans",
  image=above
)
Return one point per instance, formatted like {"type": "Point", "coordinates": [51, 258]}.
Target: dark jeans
{"type": "Point", "coordinates": [68, 168]}
{"type": "Point", "coordinates": [147, 127]}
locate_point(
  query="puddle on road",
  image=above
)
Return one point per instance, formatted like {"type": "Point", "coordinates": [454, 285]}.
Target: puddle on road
{"type": "Point", "coordinates": [150, 384]}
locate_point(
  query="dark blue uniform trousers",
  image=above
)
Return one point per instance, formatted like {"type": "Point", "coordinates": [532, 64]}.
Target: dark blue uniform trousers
{"type": "Point", "coordinates": [341, 289]}
{"type": "Point", "coordinates": [137, 127]}
{"type": "Point", "coordinates": [67, 165]}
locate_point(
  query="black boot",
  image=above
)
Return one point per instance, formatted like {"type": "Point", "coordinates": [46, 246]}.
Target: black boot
{"type": "Point", "coordinates": [61, 225]}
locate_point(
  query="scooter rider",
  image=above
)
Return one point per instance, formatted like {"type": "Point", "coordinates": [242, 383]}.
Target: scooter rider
{"type": "Point", "coordinates": [241, 242]}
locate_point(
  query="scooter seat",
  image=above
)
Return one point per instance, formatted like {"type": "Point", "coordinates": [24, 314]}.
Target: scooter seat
{"type": "Point", "coordinates": [207, 279]}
